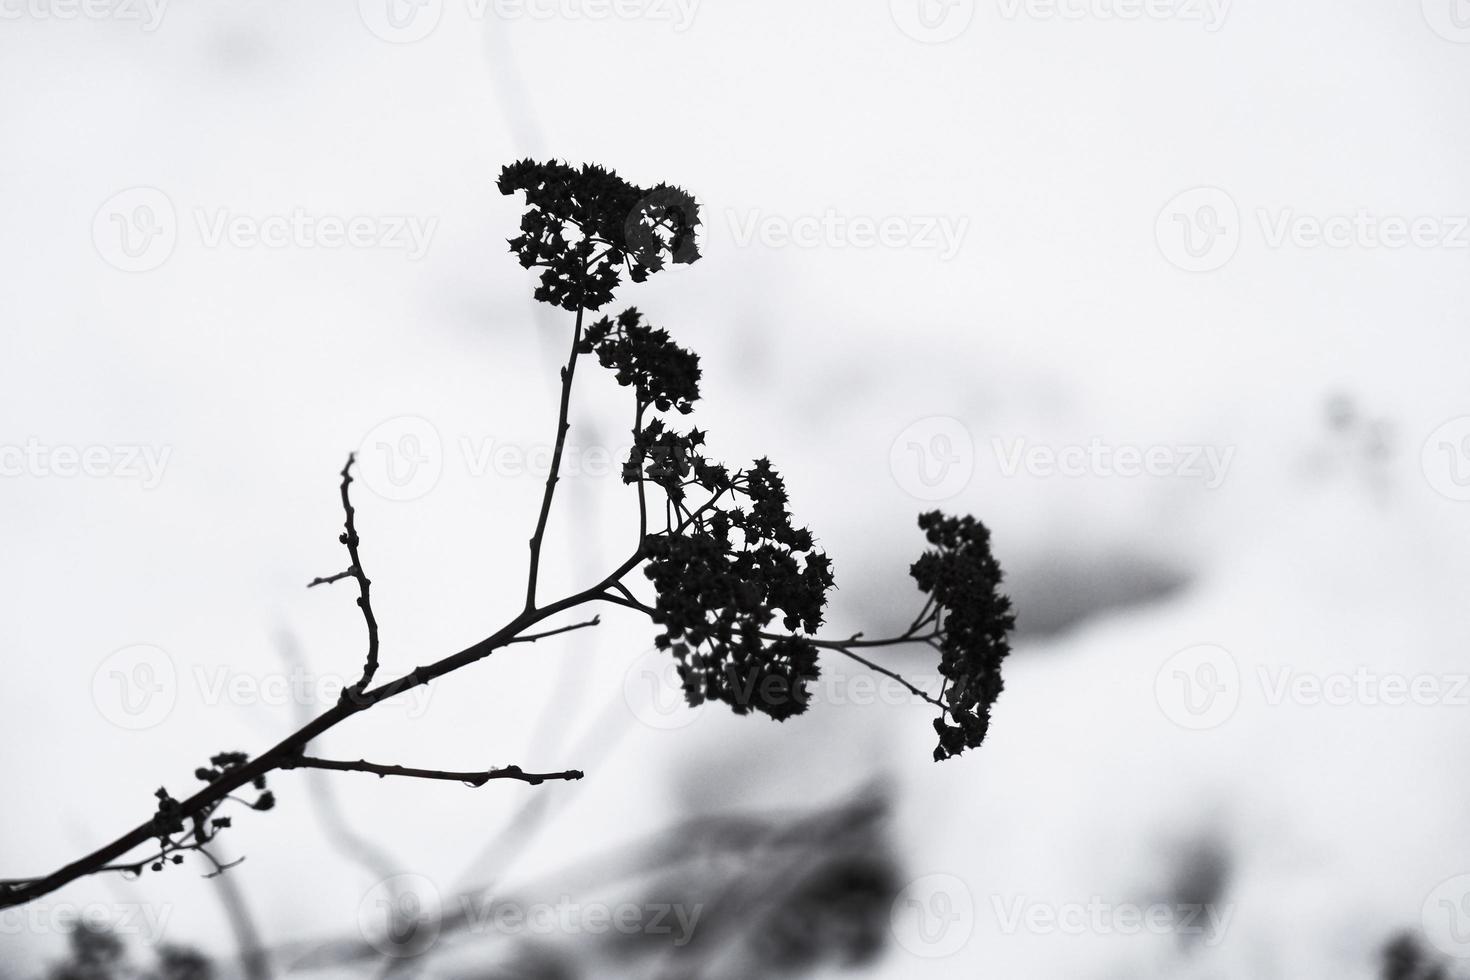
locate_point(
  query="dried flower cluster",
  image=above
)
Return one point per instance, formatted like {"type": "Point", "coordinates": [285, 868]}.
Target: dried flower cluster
{"type": "Point", "coordinates": [963, 579]}
{"type": "Point", "coordinates": [584, 227]}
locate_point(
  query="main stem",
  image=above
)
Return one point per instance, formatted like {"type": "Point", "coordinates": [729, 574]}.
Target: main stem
{"type": "Point", "coordinates": [20, 892]}
{"type": "Point", "coordinates": [562, 425]}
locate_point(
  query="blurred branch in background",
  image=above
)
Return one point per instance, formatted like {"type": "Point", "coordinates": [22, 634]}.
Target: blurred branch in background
{"type": "Point", "coordinates": [767, 894]}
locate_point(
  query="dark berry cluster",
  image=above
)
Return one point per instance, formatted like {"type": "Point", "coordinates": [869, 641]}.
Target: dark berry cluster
{"type": "Point", "coordinates": [664, 457]}
{"type": "Point", "coordinates": [722, 578]}
{"type": "Point", "coordinates": [962, 577]}
{"type": "Point", "coordinates": [221, 764]}
{"type": "Point", "coordinates": [662, 373]}
{"type": "Point", "coordinates": [585, 226]}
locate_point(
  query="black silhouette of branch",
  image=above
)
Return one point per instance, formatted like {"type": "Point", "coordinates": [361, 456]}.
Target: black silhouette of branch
{"type": "Point", "coordinates": [533, 637]}
{"type": "Point", "coordinates": [475, 779]}
{"type": "Point", "coordinates": [364, 584]}
{"type": "Point", "coordinates": [562, 425]}
{"type": "Point", "coordinates": [722, 572]}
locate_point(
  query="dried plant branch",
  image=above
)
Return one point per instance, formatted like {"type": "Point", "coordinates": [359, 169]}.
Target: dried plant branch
{"type": "Point", "coordinates": [475, 779]}
{"type": "Point", "coordinates": [533, 637]}
{"type": "Point", "coordinates": [355, 570]}
{"type": "Point", "coordinates": [563, 424]}
{"type": "Point", "coordinates": [721, 571]}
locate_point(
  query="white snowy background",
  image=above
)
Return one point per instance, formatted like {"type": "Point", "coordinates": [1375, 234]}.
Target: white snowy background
{"type": "Point", "coordinates": [1054, 142]}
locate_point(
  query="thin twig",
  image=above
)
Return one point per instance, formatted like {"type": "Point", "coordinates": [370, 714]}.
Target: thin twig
{"type": "Point", "coordinates": [364, 584]}
{"type": "Point", "coordinates": [475, 779]}
{"type": "Point", "coordinates": [533, 637]}
{"type": "Point", "coordinates": [888, 673]}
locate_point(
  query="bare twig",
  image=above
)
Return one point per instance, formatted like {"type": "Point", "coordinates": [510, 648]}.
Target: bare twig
{"type": "Point", "coordinates": [533, 637]}
{"type": "Point", "coordinates": [475, 779]}
{"type": "Point", "coordinates": [364, 584]}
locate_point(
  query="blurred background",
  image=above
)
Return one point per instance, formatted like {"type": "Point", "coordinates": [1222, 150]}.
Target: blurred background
{"type": "Point", "coordinates": [1171, 294]}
